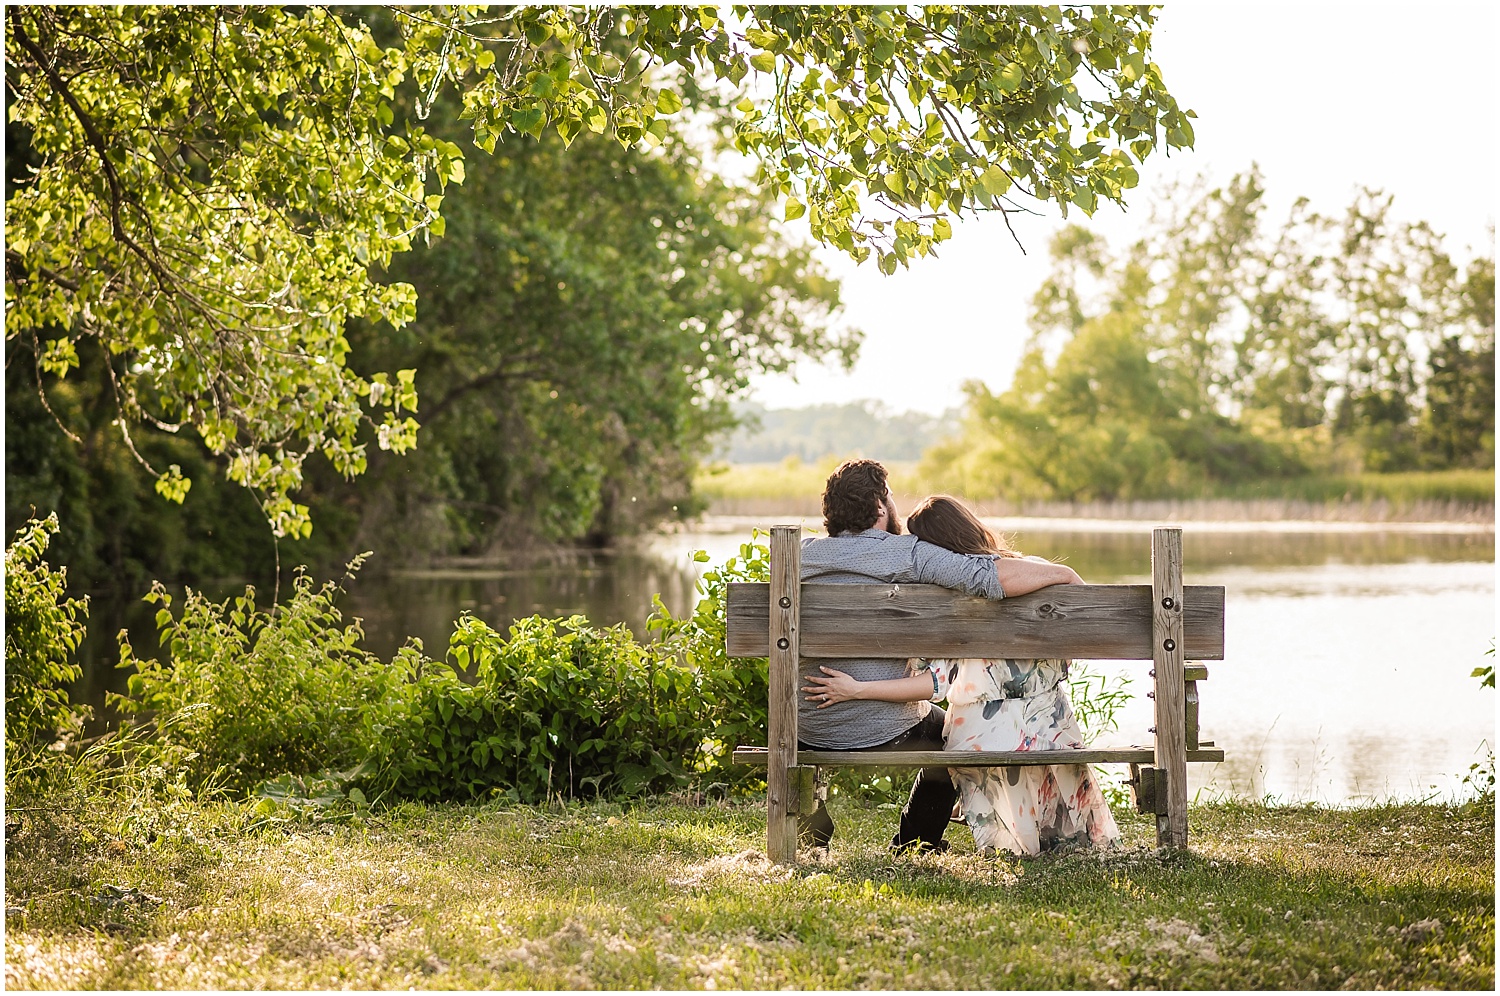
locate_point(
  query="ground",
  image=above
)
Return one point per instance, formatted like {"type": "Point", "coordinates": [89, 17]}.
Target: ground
{"type": "Point", "coordinates": [677, 894]}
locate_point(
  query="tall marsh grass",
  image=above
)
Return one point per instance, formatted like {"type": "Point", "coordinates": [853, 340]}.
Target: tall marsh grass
{"type": "Point", "coordinates": [795, 487]}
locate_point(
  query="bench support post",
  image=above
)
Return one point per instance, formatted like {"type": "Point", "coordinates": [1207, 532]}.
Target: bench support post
{"type": "Point", "coordinates": [1168, 653]}
{"type": "Point", "coordinates": [781, 734]}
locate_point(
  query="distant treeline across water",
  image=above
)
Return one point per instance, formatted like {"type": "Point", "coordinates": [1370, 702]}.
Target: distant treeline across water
{"type": "Point", "coordinates": [868, 428]}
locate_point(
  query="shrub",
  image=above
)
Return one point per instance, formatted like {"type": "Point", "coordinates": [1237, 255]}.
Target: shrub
{"type": "Point", "coordinates": [734, 690]}
{"type": "Point", "coordinates": [558, 708]}
{"type": "Point", "coordinates": [255, 693]}
{"type": "Point", "coordinates": [42, 632]}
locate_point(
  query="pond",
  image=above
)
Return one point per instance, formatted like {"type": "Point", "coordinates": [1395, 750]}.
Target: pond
{"type": "Point", "coordinates": [1349, 646]}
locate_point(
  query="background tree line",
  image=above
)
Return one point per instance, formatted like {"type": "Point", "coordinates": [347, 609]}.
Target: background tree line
{"type": "Point", "coordinates": [1219, 350]}
{"type": "Point", "coordinates": [864, 428]}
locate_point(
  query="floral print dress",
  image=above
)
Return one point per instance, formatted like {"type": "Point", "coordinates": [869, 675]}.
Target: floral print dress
{"type": "Point", "coordinates": [1014, 705]}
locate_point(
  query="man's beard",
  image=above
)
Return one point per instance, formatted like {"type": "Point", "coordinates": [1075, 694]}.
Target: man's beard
{"type": "Point", "coordinates": [892, 520]}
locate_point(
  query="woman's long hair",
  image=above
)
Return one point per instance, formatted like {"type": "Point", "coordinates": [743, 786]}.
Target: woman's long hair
{"type": "Point", "coordinates": [944, 521]}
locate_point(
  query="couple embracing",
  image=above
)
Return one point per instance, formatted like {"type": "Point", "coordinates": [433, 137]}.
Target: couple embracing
{"type": "Point", "coordinates": [1000, 705]}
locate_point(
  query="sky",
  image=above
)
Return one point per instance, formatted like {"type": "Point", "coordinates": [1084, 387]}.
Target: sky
{"type": "Point", "coordinates": [1326, 98]}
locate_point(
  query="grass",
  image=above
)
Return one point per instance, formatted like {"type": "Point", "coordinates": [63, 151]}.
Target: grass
{"type": "Point", "coordinates": [793, 480]}
{"type": "Point", "coordinates": [789, 479]}
{"type": "Point", "coordinates": [678, 896]}
{"type": "Point", "coordinates": [1401, 489]}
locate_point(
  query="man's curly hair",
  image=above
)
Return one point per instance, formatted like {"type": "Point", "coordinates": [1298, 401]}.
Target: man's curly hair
{"type": "Point", "coordinates": [853, 496]}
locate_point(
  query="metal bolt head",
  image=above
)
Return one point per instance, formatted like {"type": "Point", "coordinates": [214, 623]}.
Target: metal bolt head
{"type": "Point", "coordinates": [783, 643]}
{"type": "Point", "coordinates": [785, 602]}
{"type": "Point", "coordinates": [1168, 604]}
{"type": "Point", "coordinates": [1169, 645]}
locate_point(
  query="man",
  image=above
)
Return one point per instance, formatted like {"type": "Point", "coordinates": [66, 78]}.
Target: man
{"type": "Point", "coordinates": [864, 545]}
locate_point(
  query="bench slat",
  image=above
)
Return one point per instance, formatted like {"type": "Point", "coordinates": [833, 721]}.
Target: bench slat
{"type": "Point", "coordinates": [1091, 621]}
{"type": "Point", "coordinates": [972, 759]}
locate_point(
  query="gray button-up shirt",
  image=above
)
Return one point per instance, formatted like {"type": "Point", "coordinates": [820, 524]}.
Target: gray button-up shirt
{"type": "Point", "coordinates": [876, 557]}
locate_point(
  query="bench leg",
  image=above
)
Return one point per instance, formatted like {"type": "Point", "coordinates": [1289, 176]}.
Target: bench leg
{"type": "Point", "coordinates": [1167, 654]}
{"type": "Point", "coordinates": [782, 798]}
{"type": "Point", "coordinates": [814, 825]}
{"type": "Point", "coordinates": [783, 791]}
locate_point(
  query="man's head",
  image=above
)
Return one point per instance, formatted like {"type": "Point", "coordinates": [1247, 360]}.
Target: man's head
{"type": "Point", "coordinates": [855, 496]}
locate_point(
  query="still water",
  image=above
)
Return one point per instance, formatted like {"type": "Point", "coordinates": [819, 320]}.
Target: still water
{"type": "Point", "coordinates": [1346, 676]}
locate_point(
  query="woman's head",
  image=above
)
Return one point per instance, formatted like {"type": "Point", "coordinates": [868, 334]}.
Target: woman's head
{"type": "Point", "coordinates": [944, 521]}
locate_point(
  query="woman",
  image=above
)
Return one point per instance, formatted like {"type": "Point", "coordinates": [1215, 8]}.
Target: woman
{"type": "Point", "coordinates": [1002, 705]}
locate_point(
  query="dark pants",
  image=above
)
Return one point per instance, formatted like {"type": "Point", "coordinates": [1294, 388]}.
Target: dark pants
{"type": "Point", "coordinates": [925, 818]}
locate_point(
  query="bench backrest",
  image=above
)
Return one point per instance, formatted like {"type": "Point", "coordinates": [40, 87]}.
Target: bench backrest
{"type": "Point", "coordinates": [1093, 621]}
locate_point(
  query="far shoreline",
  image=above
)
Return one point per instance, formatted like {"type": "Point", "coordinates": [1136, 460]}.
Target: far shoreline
{"type": "Point", "coordinates": [1210, 515]}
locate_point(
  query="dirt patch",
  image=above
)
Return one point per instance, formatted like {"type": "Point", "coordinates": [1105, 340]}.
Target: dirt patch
{"type": "Point", "coordinates": [747, 865]}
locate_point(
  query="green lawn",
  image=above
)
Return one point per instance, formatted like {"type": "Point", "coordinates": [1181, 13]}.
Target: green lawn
{"type": "Point", "coordinates": [661, 894]}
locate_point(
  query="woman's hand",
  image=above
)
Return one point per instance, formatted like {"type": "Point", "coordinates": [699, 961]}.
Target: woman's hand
{"type": "Point", "coordinates": [836, 687]}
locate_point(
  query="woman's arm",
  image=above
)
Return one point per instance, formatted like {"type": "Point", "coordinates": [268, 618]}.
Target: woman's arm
{"type": "Point", "coordinates": [840, 687]}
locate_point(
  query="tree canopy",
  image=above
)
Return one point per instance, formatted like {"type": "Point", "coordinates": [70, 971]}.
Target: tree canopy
{"type": "Point", "coordinates": [212, 194]}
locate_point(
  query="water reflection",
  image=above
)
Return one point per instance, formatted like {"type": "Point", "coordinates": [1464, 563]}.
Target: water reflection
{"type": "Point", "coordinates": [1347, 674]}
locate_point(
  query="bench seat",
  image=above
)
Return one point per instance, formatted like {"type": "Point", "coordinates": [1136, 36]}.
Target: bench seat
{"type": "Point", "coordinates": [972, 759]}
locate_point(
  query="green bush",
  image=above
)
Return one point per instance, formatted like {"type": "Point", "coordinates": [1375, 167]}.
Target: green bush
{"type": "Point", "coordinates": [559, 708]}
{"type": "Point", "coordinates": [256, 693]}
{"type": "Point", "coordinates": [42, 632]}
{"type": "Point", "coordinates": [734, 690]}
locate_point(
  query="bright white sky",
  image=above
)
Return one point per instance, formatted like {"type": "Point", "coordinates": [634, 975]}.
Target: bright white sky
{"type": "Point", "coordinates": [1325, 97]}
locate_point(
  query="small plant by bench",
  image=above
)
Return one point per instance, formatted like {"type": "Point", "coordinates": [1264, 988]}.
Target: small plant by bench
{"type": "Point", "coordinates": [1163, 622]}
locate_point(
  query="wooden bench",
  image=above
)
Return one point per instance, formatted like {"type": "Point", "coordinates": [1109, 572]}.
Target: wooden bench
{"type": "Point", "coordinates": [1163, 622]}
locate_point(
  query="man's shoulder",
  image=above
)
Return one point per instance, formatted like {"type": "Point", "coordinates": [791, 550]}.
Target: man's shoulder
{"type": "Point", "coordinates": [853, 543]}
{"type": "Point", "coordinates": [869, 555]}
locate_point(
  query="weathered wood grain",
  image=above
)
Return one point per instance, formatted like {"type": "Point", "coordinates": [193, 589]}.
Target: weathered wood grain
{"type": "Point", "coordinates": [971, 759]}
{"type": "Point", "coordinates": [1167, 634]}
{"type": "Point", "coordinates": [1095, 621]}
{"type": "Point", "coordinates": [782, 597]}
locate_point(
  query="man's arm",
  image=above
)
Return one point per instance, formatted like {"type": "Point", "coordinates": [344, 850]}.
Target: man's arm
{"type": "Point", "coordinates": [985, 575]}
{"type": "Point", "coordinates": [970, 573]}
{"type": "Point", "coordinates": [1020, 576]}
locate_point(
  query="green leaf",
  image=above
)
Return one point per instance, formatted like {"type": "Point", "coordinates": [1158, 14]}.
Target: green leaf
{"type": "Point", "coordinates": [995, 181]}
{"type": "Point", "coordinates": [172, 485]}
{"type": "Point", "coordinates": [764, 61]}
{"type": "Point", "coordinates": [794, 209]}
{"type": "Point", "coordinates": [668, 102]}
{"type": "Point", "coordinates": [1011, 77]}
